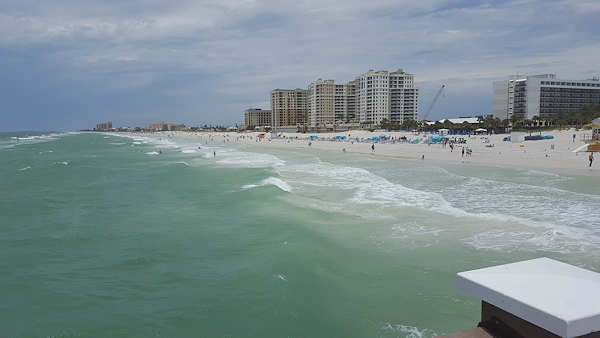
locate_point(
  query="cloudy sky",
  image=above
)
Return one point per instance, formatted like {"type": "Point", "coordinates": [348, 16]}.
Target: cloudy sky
{"type": "Point", "coordinates": [69, 64]}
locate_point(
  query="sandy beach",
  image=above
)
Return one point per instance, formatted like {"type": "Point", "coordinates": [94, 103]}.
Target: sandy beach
{"type": "Point", "coordinates": [562, 155]}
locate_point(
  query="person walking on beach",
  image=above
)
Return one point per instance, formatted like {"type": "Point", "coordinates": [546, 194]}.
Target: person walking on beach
{"type": "Point", "coordinates": [373, 147]}
{"type": "Point", "coordinates": [591, 158]}
{"type": "Point", "coordinates": [463, 152]}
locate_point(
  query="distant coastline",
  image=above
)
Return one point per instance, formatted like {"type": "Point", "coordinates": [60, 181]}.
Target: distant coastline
{"type": "Point", "coordinates": [551, 155]}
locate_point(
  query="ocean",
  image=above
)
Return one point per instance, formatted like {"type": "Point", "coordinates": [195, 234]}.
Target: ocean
{"type": "Point", "coordinates": [106, 235]}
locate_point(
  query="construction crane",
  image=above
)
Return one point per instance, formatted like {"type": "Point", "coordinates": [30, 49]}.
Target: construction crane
{"type": "Point", "coordinates": [437, 96]}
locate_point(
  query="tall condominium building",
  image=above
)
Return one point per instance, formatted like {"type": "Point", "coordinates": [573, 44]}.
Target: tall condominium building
{"type": "Point", "coordinates": [390, 96]}
{"type": "Point", "coordinates": [345, 102]}
{"type": "Point", "coordinates": [370, 98]}
{"type": "Point", "coordinates": [289, 107]}
{"type": "Point", "coordinates": [404, 97]}
{"type": "Point", "coordinates": [542, 95]}
{"type": "Point", "coordinates": [257, 117]}
{"type": "Point", "coordinates": [321, 103]}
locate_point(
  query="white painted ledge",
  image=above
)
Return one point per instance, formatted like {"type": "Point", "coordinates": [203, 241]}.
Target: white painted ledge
{"type": "Point", "coordinates": [555, 296]}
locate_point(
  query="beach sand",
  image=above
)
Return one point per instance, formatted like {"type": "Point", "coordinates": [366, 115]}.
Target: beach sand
{"type": "Point", "coordinates": [550, 155]}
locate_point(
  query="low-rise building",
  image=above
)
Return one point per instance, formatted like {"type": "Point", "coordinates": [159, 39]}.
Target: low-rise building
{"type": "Point", "coordinates": [104, 126]}
{"type": "Point", "coordinates": [162, 126]}
{"type": "Point", "coordinates": [257, 117]}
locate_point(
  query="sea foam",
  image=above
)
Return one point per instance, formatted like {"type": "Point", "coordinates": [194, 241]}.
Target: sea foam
{"type": "Point", "coordinates": [271, 181]}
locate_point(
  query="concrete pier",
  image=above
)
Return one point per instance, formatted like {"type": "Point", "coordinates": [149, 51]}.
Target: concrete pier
{"type": "Point", "coordinates": [536, 298]}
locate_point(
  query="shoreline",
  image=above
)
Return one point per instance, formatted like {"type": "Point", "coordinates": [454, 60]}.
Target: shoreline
{"type": "Point", "coordinates": [549, 155]}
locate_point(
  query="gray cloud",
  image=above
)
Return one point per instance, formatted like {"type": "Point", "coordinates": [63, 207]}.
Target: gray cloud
{"type": "Point", "coordinates": [201, 62]}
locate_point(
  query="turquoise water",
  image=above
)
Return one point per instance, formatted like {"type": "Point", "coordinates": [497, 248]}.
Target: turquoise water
{"type": "Point", "coordinates": [102, 235]}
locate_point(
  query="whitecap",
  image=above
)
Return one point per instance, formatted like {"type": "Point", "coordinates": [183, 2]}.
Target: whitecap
{"type": "Point", "coordinates": [271, 181]}
{"type": "Point", "coordinates": [151, 153]}
{"type": "Point", "coordinates": [27, 167]}
{"type": "Point", "coordinates": [413, 332]}
{"type": "Point", "coordinates": [247, 159]}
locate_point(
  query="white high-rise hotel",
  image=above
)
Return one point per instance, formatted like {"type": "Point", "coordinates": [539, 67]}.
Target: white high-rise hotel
{"type": "Point", "coordinates": [542, 95]}
{"type": "Point", "coordinates": [390, 96]}
{"type": "Point", "coordinates": [370, 98]}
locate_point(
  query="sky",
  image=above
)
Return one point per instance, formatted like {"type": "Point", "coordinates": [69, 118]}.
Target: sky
{"type": "Point", "coordinates": [71, 64]}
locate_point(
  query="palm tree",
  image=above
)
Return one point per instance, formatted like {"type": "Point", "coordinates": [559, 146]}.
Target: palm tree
{"type": "Point", "coordinates": [515, 119]}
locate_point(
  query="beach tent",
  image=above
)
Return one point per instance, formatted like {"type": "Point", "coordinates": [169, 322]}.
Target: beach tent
{"type": "Point", "coordinates": [595, 124]}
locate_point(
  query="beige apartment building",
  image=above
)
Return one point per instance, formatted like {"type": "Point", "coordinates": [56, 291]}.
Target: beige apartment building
{"type": "Point", "coordinates": [289, 107]}
{"type": "Point", "coordinates": [162, 126]}
{"type": "Point", "coordinates": [322, 103]}
{"type": "Point", "coordinates": [257, 117]}
{"type": "Point", "coordinates": [332, 103]}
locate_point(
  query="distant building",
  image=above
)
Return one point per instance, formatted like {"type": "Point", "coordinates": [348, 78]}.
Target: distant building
{"type": "Point", "coordinates": [257, 117]}
{"type": "Point", "coordinates": [542, 95]}
{"type": "Point", "coordinates": [370, 98]}
{"type": "Point", "coordinates": [332, 103]}
{"type": "Point", "coordinates": [321, 103]}
{"type": "Point", "coordinates": [176, 127]}
{"type": "Point", "coordinates": [390, 96]}
{"type": "Point", "coordinates": [161, 126]}
{"type": "Point", "coordinates": [104, 126]}
{"type": "Point", "coordinates": [289, 107]}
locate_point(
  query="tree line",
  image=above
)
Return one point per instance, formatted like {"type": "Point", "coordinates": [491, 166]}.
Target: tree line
{"type": "Point", "coordinates": [563, 120]}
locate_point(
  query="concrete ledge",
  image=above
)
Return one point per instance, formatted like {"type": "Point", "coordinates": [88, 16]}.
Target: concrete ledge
{"type": "Point", "coordinates": [472, 333]}
{"type": "Point", "coordinates": [557, 297]}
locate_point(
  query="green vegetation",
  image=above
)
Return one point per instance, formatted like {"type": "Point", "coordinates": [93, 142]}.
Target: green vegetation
{"type": "Point", "coordinates": [494, 125]}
